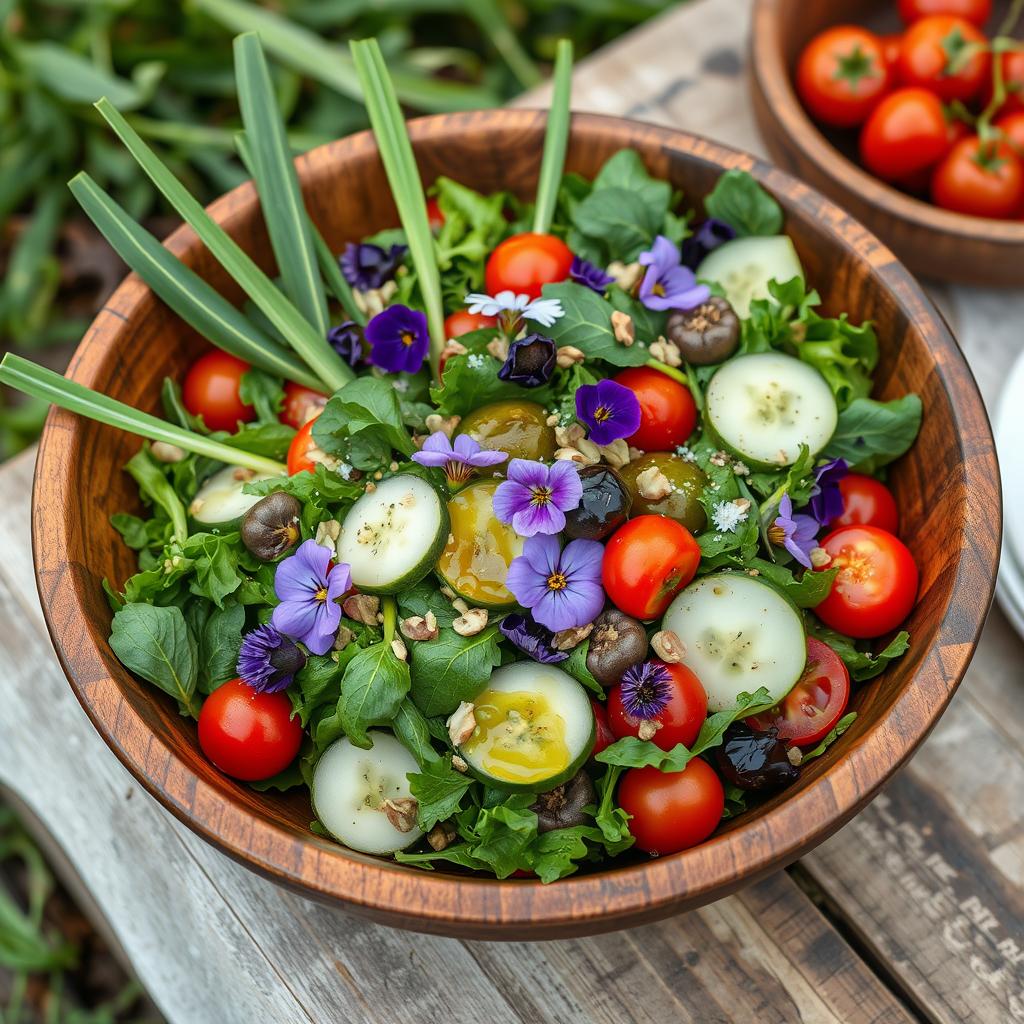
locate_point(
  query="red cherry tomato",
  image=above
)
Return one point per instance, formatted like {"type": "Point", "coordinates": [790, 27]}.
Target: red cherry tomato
{"type": "Point", "coordinates": [603, 735]}
{"type": "Point", "coordinates": [668, 412]}
{"type": "Point", "coordinates": [1013, 79]}
{"type": "Point", "coordinates": [525, 263]}
{"type": "Point", "coordinates": [905, 133]}
{"type": "Point", "coordinates": [435, 215]}
{"type": "Point", "coordinates": [842, 74]}
{"type": "Point", "coordinates": [672, 811]}
{"type": "Point", "coordinates": [815, 704]}
{"type": "Point", "coordinates": [646, 563]}
{"type": "Point", "coordinates": [298, 450]}
{"type": "Point", "coordinates": [248, 735]}
{"type": "Point", "coordinates": [680, 719]}
{"type": "Point", "coordinates": [930, 47]}
{"type": "Point", "coordinates": [301, 404]}
{"type": "Point", "coordinates": [1012, 127]}
{"type": "Point", "coordinates": [211, 390]}
{"type": "Point", "coordinates": [462, 322]}
{"type": "Point", "coordinates": [876, 585]}
{"type": "Point", "coordinates": [866, 502]}
{"type": "Point", "coordinates": [975, 11]}
{"type": "Point", "coordinates": [983, 179]}
{"type": "Point", "coordinates": [891, 45]}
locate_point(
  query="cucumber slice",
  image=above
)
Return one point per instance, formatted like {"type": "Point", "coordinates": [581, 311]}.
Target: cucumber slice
{"type": "Point", "coordinates": [220, 504]}
{"type": "Point", "coordinates": [350, 785]}
{"type": "Point", "coordinates": [534, 728]}
{"type": "Point", "coordinates": [744, 266]}
{"type": "Point", "coordinates": [764, 406]}
{"type": "Point", "coordinates": [480, 548]}
{"type": "Point", "coordinates": [739, 635]}
{"type": "Point", "coordinates": [392, 535]}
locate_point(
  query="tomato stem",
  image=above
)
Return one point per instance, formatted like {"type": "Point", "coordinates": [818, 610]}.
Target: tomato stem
{"type": "Point", "coordinates": [669, 371]}
{"type": "Point", "coordinates": [1009, 23]}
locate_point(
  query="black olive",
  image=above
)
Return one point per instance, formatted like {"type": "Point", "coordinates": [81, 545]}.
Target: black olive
{"type": "Point", "coordinates": [603, 507]}
{"type": "Point", "coordinates": [617, 643]}
{"type": "Point", "coordinates": [752, 759]}
{"type": "Point", "coordinates": [562, 807]}
{"type": "Point", "coordinates": [271, 526]}
{"type": "Point", "coordinates": [707, 334]}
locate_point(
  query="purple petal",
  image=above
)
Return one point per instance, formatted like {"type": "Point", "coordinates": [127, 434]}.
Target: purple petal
{"type": "Point", "coordinates": [295, 618]}
{"type": "Point", "coordinates": [662, 255]}
{"type": "Point", "coordinates": [587, 600]}
{"type": "Point", "coordinates": [527, 586]}
{"type": "Point", "coordinates": [539, 519]}
{"type": "Point", "coordinates": [436, 460]}
{"type": "Point", "coordinates": [509, 498]}
{"type": "Point", "coordinates": [464, 446]}
{"type": "Point", "coordinates": [320, 637]}
{"type": "Point", "coordinates": [566, 486]}
{"type": "Point", "coordinates": [339, 581]}
{"type": "Point", "coordinates": [486, 457]}
{"type": "Point", "coordinates": [530, 474]}
{"type": "Point", "coordinates": [581, 561]}
{"type": "Point", "coordinates": [542, 554]}
{"type": "Point", "coordinates": [438, 442]}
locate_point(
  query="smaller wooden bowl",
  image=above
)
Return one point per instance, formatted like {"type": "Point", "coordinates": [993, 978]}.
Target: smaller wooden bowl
{"type": "Point", "coordinates": [930, 241]}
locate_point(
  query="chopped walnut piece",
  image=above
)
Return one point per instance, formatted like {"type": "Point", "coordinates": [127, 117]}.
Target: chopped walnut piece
{"type": "Point", "coordinates": [417, 627]}
{"type": "Point", "coordinates": [343, 638]}
{"type": "Point", "coordinates": [457, 603]}
{"type": "Point", "coordinates": [820, 558]}
{"type": "Point", "coordinates": [795, 756]}
{"type": "Point", "coordinates": [567, 639]}
{"type": "Point", "coordinates": [327, 534]}
{"type": "Point", "coordinates": [566, 437]}
{"type": "Point", "coordinates": [471, 622]}
{"type": "Point", "coordinates": [623, 328]}
{"type": "Point", "coordinates": [625, 275]}
{"type": "Point", "coordinates": [666, 352]}
{"type": "Point", "coordinates": [459, 764]}
{"type": "Point", "coordinates": [667, 646]}
{"type": "Point", "coordinates": [498, 347]}
{"type": "Point", "coordinates": [446, 424]}
{"type": "Point", "coordinates": [568, 355]}
{"type": "Point", "coordinates": [401, 652]}
{"type": "Point", "coordinates": [647, 729]}
{"type": "Point", "coordinates": [164, 452]}
{"type": "Point", "coordinates": [553, 420]}
{"type": "Point", "coordinates": [441, 836]}
{"type": "Point", "coordinates": [652, 484]}
{"type": "Point", "coordinates": [616, 454]}
{"type": "Point", "coordinates": [575, 455]}
{"type": "Point", "coordinates": [743, 504]}
{"type": "Point", "coordinates": [401, 812]}
{"type": "Point", "coordinates": [362, 608]}
{"type": "Point", "coordinates": [461, 723]}
{"type": "Point", "coordinates": [453, 348]}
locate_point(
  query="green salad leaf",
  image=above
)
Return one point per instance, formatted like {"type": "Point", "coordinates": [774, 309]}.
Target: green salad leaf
{"type": "Point", "coordinates": [741, 202]}
{"type": "Point", "coordinates": [863, 665]}
{"type": "Point", "coordinates": [413, 732]}
{"type": "Point", "coordinates": [452, 668]}
{"type": "Point", "coordinates": [834, 733]}
{"type": "Point", "coordinates": [587, 325]}
{"type": "Point", "coordinates": [440, 790]}
{"type": "Point", "coordinates": [219, 643]}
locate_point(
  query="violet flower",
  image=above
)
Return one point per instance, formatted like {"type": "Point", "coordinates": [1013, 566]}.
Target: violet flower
{"type": "Point", "coordinates": [307, 586]}
{"type": "Point", "coordinates": [458, 460]}
{"type": "Point", "coordinates": [796, 533]}
{"type": "Point", "coordinates": [531, 638]}
{"type": "Point", "coordinates": [398, 339]}
{"type": "Point", "coordinates": [268, 660]}
{"type": "Point", "coordinates": [826, 498]}
{"type": "Point", "coordinates": [609, 410]}
{"type": "Point", "coordinates": [347, 340]}
{"type": "Point", "coordinates": [561, 588]}
{"type": "Point", "coordinates": [586, 273]}
{"type": "Point", "coordinates": [708, 237]}
{"type": "Point", "coordinates": [667, 284]}
{"type": "Point", "coordinates": [535, 497]}
{"type": "Point", "coordinates": [646, 690]}
{"type": "Point", "coordinates": [530, 361]}
{"type": "Point", "coordinates": [368, 266]}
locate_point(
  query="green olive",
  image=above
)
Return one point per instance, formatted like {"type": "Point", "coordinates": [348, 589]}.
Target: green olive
{"type": "Point", "coordinates": [515, 426]}
{"type": "Point", "coordinates": [682, 503]}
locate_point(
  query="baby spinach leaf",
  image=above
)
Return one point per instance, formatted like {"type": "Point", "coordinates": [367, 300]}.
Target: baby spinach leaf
{"type": "Point", "coordinates": [413, 733]}
{"type": "Point", "coordinates": [214, 560]}
{"type": "Point", "coordinates": [460, 853]}
{"type": "Point", "coordinates": [625, 170]}
{"type": "Point", "coordinates": [587, 324]}
{"type": "Point", "coordinates": [132, 529]}
{"type": "Point", "coordinates": [553, 855]}
{"type": "Point", "coordinates": [501, 834]}
{"type": "Point", "coordinates": [872, 434]}
{"type": "Point", "coordinates": [440, 790]}
{"type": "Point", "coordinates": [364, 406]}
{"type": "Point", "coordinates": [219, 643]}
{"type": "Point", "coordinates": [156, 489]}
{"type": "Point", "coordinates": [471, 381]}
{"type": "Point", "coordinates": [576, 666]}
{"type": "Point", "coordinates": [806, 592]}
{"type": "Point", "coordinates": [833, 734]}
{"type": "Point", "coordinates": [269, 439]}
{"type": "Point", "coordinates": [624, 222]}
{"type": "Point", "coordinates": [423, 598]}
{"type": "Point", "coordinates": [741, 202]}
{"type": "Point", "coordinates": [284, 780]}
{"type": "Point", "coordinates": [452, 668]}
{"type": "Point", "coordinates": [318, 683]}
{"type": "Point", "coordinates": [863, 665]}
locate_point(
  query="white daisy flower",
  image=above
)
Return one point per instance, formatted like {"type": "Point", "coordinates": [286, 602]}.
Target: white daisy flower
{"type": "Point", "coordinates": [542, 311]}
{"type": "Point", "coordinates": [727, 515]}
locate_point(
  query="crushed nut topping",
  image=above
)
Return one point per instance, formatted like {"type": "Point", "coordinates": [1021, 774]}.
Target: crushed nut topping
{"type": "Point", "coordinates": [459, 605]}
{"type": "Point", "coordinates": [566, 437]}
{"type": "Point", "coordinates": [568, 355]}
{"type": "Point", "coordinates": [401, 812]}
{"type": "Point", "coordinates": [652, 484]}
{"type": "Point", "coordinates": [820, 558]}
{"type": "Point", "coordinates": [623, 328]}
{"type": "Point", "coordinates": [567, 639]}
{"type": "Point", "coordinates": [498, 347]}
{"type": "Point", "coordinates": [471, 622]}
{"type": "Point", "coordinates": [446, 424]}
{"type": "Point", "coordinates": [441, 836]}
{"type": "Point", "coordinates": [668, 647]}
{"type": "Point", "coordinates": [362, 608]}
{"type": "Point", "coordinates": [418, 627]}
{"type": "Point", "coordinates": [453, 348]}
{"type": "Point", "coordinates": [373, 301]}
{"type": "Point", "coordinates": [575, 455]}
{"type": "Point", "coordinates": [625, 275]}
{"type": "Point", "coordinates": [343, 638]}
{"type": "Point", "coordinates": [164, 452]}
{"type": "Point", "coordinates": [327, 534]}
{"type": "Point", "coordinates": [616, 454]}
{"type": "Point", "coordinates": [401, 652]}
{"type": "Point", "coordinates": [462, 723]}
{"type": "Point", "coordinates": [459, 764]}
{"type": "Point", "coordinates": [795, 756]}
{"type": "Point", "coordinates": [666, 352]}
{"type": "Point", "coordinates": [648, 727]}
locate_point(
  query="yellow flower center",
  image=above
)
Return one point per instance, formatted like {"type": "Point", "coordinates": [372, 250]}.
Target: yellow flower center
{"type": "Point", "coordinates": [540, 496]}
{"type": "Point", "coordinates": [557, 581]}
{"type": "Point", "coordinates": [602, 413]}
{"type": "Point", "coordinates": [320, 595]}
{"type": "Point", "coordinates": [659, 289]}
{"type": "Point", "coordinates": [407, 338]}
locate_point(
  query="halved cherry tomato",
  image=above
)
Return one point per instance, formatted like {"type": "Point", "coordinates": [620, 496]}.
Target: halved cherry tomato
{"type": "Point", "coordinates": [298, 450]}
{"type": "Point", "coordinates": [525, 263]}
{"type": "Point", "coordinates": [211, 390]}
{"type": "Point", "coordinates": [646, 563]}
{"type": "Point", "coordinates": [435, 215]}
{"type": "Point", "coordinates": [975, 11]}
{"type": "Point", "coordinates": [842, 74]}
{"type": "Point", "coordinates": [679, 721]}
{"type": "Point", "coordinates": [930, 48]}
{"type": "Point", "coordinates": [462, 322]}
{"type": "Point", "coordinates": [1012, 127]}
{"type": "Point", "coordinates": [301, 404]}
{"type": "Point", "coordinates": [876, 585]}
{"type": "Point", "coordinates": [603, 735]}
{"type": "Point", "coordinates": [668, 412]}
{"type": "Point", "coordinates": [866, 502]}
{"type": "Point", "coordinates": [905, 133]}
{"type": "Point", "coordinates": [983, 179]}
{"type": "Point", "coordinates": [815, 704]}
{"type": "Point", "coordinates": [672, 811]}
{"type": "Point", "coordinates": [248, 735]}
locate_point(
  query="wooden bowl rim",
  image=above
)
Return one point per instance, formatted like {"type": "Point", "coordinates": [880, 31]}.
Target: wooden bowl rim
{"type": "Point", "coordinates": [774, 80]}
{"type": "Point", "coordinates": [580, 904]}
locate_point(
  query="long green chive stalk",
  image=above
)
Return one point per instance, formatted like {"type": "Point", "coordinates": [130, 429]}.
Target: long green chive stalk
{"type": "Point", "coordinates": [404, 178]}
{"type": "Point", "coordinates": [669, 371]}
{"type": "Point", "coordinates": [556, 139]}
{"type": "Point", "coordinates": [51, 387]}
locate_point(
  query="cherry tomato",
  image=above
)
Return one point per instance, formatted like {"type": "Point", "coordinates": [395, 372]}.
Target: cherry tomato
{"type": "Point", "coordinates": [462, 322]}
{"type": "Point", "coordinates": [300, 404]}
{"type": "Point", "coordinates": [680, 719]}
{"type": "Point", "coordinates": [435, 215]}
{"type": "Point", "coordinates": [815, 704]}
{"type": "Point", "coordinates": [975, 11]}
{"type": "Point", "coordinates": [905, 133]}
{"type": "Point", "coordinates": [876, 585]}
{"type": "Point", "coordinates": [525, 263]}
{"type": "Point", "coordinates": [1013, 79]}
{"type": "Point", "coordinates": [302, 442]}
{"type": "Point", "coordinates": [1012, 127]}
{"type": "Point", "coordinates": [866, 502]}
{"type": "Point", "coordinates": [211, 390]}
{"type": "Point", "coordinates": [603, 735]}
{"type": "Point", "coordinates": [983, 179]}
{"type": "Point", "coordinates": [248, 735]}
{"type": "Point", "coordinates": [646, 563]}
{"type": "Point", "coordinates": [668, 412]}
{"type": "Point", "coordinates": [931, 45]}
{"type": "Point", "coordinates": [672, 811]}
{"type": "Point", "coordinates": [842, 74]}
{"type": "Point", "coordinates": [891, 45]}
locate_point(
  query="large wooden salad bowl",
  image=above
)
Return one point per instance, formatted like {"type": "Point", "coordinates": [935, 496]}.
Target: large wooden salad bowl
{"type": "Point", "coordinates": [947, 488]}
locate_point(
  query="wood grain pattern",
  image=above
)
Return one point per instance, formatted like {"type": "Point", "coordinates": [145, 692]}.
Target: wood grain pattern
{"type": "Point", "coordinates": [932, 242]}
{"type": "Point", "coordinates": [943, 486]}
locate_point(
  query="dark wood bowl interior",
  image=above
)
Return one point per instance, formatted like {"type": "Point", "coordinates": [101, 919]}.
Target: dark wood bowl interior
{"type": "Point", "coordinates": [947, 488]}
{"type": "Point", "coordinates": [930, 241]}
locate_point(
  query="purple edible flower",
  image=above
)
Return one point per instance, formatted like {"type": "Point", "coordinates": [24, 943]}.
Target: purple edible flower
{"type": "Point", "coordinates": [347, 340]}
{"type": "Point", "coordinates": [609, 410]}
{"type": "Point", "coordinates": [531, 638]}
{"type": "Point", "coordinates": [826, 498]}
{"type": "Point", "coordinates": [586, 273]}
{"type": "Point", "coordinates": [667, 284]}
{"type": "Point", "coordinates": [398, 339]}
{"type": "Point", "coordinates": [368, 266]}
{"type": "Point", "coordinates": [709, 236]}
{"type": "Point", "coordinates": [796, 533]}
{"type": "Point", "coordinates": [645, 690]}
{"type": "Point", "coordinates": [307, 585]}
{"type": "Point", "coordinates": [561, 588]}
{"type": "Point", "coordinates": [268, 660]}
{"type": "Point", "coordinates": [458, 460]}
{"type": "Point", "coordinates": [535, 497]}
{"type": "Point", "coordinates": [530, 361]}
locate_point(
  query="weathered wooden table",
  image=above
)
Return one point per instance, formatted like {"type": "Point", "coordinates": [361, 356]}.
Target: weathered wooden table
{"type": "Point", "coordinates": [913, 912]}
